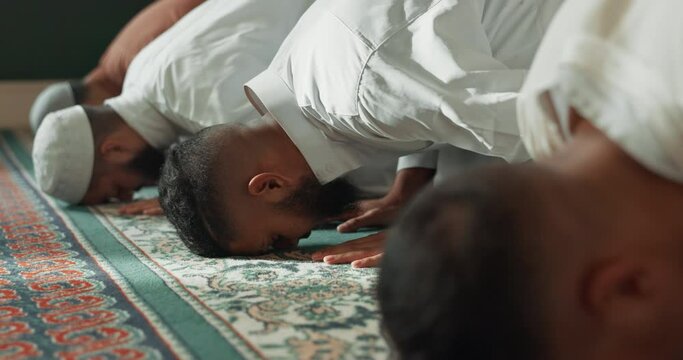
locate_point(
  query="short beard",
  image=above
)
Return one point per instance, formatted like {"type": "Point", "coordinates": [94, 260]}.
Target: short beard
{"type": "Point", "coordinates": [148, 163]}
{"type": "Point", "coordinates": [321, 202]}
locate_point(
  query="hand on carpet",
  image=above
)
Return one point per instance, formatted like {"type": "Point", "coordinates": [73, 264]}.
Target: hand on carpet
{"type": "Point", "coordinates": [369, 213]}
{"type": "Point", "coordinates": [149, 207]}
{"type": "Point", "coordinates": [361, 253]}
{"type": "Point", "coordinates": [382, 212]}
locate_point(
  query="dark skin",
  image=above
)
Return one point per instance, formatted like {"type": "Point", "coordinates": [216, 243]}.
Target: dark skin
{"type": "Point", "coordinates": [364, 252]}
{"type": "Point", "coordinates": [265, 169]}
{"type": "Point", "coordinates": [360, 253]}
{"type": "Point", "coordinates": [112, 179]}
{"type": "Point", "coordinates": [368, 213]}
{"type": "Point", "coordinates": [381, 212]}
{"type": "Point", "coordinates": [608, 238]}
{"type": "Point", "coordinates": [367, 251]}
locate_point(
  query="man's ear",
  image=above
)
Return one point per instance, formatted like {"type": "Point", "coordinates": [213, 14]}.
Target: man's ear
{"type": "Point", "coordinates": [272, 187]}
{"type": "Point", "coordinates": [117, 151]}
{"type": "Point", "coordinates": [622, 295]}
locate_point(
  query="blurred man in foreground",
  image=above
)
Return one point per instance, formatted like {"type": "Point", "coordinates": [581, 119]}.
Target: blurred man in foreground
{"type": "Point", "coordinates": [580, 255]}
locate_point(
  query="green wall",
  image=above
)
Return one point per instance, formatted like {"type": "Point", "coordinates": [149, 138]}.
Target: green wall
{"type": "Point", "coordinates": [58, 39]}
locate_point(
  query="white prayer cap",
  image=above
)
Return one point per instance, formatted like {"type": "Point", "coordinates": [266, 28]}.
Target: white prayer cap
{"type": "Point", "coordinates": [54, 98]}
{"type": "Point", "coordinates": [63, 154]}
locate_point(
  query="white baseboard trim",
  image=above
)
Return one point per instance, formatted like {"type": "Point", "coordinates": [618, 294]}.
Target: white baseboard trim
{"type": "Point", "coordinates": [16, 98]}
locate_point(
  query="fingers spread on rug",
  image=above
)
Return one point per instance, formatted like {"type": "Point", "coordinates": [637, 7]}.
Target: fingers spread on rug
{"type": "Point", "coordinates": [368, 262]}
{"type": "Point", "coordinates": [364, 252]}
{"type": "Point", "coordinates": [149, 207]}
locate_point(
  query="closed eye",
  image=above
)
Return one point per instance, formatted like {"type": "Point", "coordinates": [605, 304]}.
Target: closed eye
{"type": "Point", "coordinates": [281, 242]}
{"type": "Point", "coordinates": [272, 243]}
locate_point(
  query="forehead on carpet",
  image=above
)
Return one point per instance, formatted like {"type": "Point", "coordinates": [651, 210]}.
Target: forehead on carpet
{"type": "Point", "coordinates": [85, 282]}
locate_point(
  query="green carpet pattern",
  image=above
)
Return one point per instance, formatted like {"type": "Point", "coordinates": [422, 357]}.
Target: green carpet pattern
{"type": "Point", "coordinates": [164, 301]}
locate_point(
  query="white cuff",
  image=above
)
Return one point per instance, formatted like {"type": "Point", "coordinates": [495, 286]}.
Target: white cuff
{"type": "Point", "coordinates": [328, 159]}
{"type": "Point", "coordinates": [155, 128]}
{"type": "Point", "coordinates": [427, 160]}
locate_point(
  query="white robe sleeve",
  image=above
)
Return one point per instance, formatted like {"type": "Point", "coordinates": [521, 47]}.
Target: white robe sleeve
{"type": "Point", "coordinates": [618, 64]}
{"type": "Point", "coordinates": [425, 160]}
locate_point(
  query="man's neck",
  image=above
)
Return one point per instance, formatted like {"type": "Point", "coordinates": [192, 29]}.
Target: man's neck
{"type": "Point", "coordinates": [619, 192]}
{"type": "Point", "coordinates": [279, 150]}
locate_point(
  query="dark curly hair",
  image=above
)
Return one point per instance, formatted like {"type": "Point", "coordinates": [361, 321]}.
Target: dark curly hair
{"type": "Point", "coordinates": [187, 198]}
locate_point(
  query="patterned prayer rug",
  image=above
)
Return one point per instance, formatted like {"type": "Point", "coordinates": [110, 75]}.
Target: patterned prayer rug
{"type": "Point", "coordinates": [80, 282]}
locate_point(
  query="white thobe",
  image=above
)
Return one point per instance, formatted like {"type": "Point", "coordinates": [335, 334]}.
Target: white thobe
{"type": "Point", "coordinates": [191, 76]}
{"type": "Point", "coordinates": [357, 80]}
{"type": "Point", "coordinates": [618, 63]}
